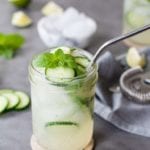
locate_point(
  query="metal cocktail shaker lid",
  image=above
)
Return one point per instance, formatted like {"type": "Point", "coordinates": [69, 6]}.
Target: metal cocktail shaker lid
{"type": "Point", "coordinates": [135, 85]}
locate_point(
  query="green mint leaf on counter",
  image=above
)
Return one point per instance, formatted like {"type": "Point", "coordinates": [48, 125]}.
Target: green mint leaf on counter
{"type": "Point", "coordinates": [9, 44]}
{"type": "Point", "coordinates": [6, 52]}
{"type": "Point", "coordinates": [14, 41]}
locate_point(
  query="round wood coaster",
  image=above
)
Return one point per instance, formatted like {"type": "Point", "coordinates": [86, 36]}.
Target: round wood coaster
{"type": "Point", "coordinates": [35, 145]}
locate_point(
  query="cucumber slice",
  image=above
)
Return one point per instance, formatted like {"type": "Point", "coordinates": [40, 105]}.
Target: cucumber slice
{"type": "Point", "coordinates": [40, 70]}
{"type": "Point", "coordinates": [82, 61]}
{"type": "Point", "coordinates": [13, 99]}
{"type": "Point", "coordinates": [61, 123]}
{"type": "Point", "coordinates": [24, 100]}
{"type": "Point", "coordinates": [3, 103]}
{"type": "Point", "coordinates": [80, 70]}
{"type": "Point", "coordinates": [60, 74]}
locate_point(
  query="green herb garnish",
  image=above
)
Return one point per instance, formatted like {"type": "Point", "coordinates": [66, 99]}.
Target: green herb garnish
{"type": "Point", "coordinates": [53, 60]}
{"type": "Point", "coordinates": [58, 59]}
{"type": "Point", "coordinates": [9, 44]}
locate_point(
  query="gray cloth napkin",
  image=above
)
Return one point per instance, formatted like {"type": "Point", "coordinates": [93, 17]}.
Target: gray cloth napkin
{"type": "Point", "coordinates": [116, 108]}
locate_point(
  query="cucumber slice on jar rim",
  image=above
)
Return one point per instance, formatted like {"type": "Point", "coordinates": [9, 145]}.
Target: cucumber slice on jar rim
{"type": "Point", "coordinates": [83, 61]}
{"type": "Point", "coordinates": [60, 74]}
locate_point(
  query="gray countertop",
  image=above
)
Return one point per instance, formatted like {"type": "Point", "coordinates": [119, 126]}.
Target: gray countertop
{"type": "Point", "coordinates": [16, 127]}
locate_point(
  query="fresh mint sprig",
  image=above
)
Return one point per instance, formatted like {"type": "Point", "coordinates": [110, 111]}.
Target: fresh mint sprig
{"type": "Point", "coordinates": [58, 59]}
{"type": "Point", "coordinates": [53, 60]}
{"type": "Point", "coordinates": [9, 44]}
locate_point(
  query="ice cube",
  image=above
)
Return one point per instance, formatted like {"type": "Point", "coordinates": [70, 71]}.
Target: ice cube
{"type": "Point", "coordinates": [80, 30]}
{"type": "Point", "coordinates": [70, 16]}
{"type": "Point", "coordinates": [71, 29]}
{"type": "Point", "coordinates": [48, 34]}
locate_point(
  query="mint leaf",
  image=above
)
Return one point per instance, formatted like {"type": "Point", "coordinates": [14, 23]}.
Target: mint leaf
{"type": "Point", "coordinates": [58, 59]}
{"type": "Point", "coordinates": [43, 60]}
{"type": "Point", "coordinates": [9, 43]}
{"type": "Point", "coordinates": [14, 41]}
{"type": "Point", "coordinates": [6, 52]}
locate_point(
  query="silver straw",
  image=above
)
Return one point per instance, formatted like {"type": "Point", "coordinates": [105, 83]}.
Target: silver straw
{"type": "Point", "coordinates": [115, 40]}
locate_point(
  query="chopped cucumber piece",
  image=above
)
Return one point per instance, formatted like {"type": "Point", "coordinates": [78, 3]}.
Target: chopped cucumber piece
{"type": "Point", "coordinates": [60, 74]}
{"type": "Point", "coordinates": [134, 59]}
{"type": "Point", "coordinates": [3, 103]}
{"type": "Point", "coordinates": [20, 19]}
{"type": "Point", "coordinates": [61, 123]}
{"type": "Point", "coordinates": [52, 9]}
{"type": "Point", "coordinates": [82, 61]}
{"type": "Point", "coordinates": [136, 19]}
{"type": "Point", "coordinates": [24, 100]}
{"type": "Point", "coordinates": [13, 99]}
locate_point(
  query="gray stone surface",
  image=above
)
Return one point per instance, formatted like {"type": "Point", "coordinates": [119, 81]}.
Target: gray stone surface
{"type": "Point", "coordinates": [16, 127]}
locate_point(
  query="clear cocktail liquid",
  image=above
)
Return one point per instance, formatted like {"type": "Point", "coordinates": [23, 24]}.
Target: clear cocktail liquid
{"type": "Point", "coordinates": [137, 14]}
{"type": "Point", "coordinates": [63, 113]}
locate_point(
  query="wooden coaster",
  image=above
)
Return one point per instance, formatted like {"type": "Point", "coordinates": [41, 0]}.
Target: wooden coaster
{"type": "Point", "coordinates": [130, 43]}
{"type": "Point", "coordinates": [35, 145]}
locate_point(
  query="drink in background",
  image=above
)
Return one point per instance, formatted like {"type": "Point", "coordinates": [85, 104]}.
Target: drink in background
{"type": "Point", "coordinates": [137, 14]}
{"type": "Point", "coordinates": [63, 112]}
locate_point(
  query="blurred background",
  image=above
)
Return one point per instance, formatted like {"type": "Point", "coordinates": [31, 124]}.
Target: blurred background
{"type": "Point", "coordinates": [15, 132]}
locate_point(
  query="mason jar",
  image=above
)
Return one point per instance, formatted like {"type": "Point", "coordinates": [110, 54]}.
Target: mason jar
{"type": "Point", "coordinates": [62, 113]}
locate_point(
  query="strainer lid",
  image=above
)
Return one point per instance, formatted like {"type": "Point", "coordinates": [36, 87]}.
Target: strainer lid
{"type": "Point", "coordinates": [135, 84]}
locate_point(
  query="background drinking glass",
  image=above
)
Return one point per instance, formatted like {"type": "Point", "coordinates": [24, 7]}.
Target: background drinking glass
{"type": "Point", "coordinates": [137, 14]}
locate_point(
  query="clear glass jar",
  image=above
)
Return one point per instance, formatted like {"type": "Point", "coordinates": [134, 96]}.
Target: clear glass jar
{"type": "Point", "coordinates": [137, 14]}
{"type": "Point", "coordinates": [63, 113]}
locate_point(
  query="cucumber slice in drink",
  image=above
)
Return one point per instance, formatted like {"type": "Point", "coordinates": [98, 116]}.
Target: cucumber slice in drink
{"type": "Point", "coordinates": [80, 70]}
{"type": "Point", "coordinates": [24, 100]}
{"type": "Point", "coordinates": [3, 103]}
{"type": "Point", "coordinates": [61, 123]}
{"type": "Point", "coordinates": [136, 19]}
{"type": "Point", "coordinates": [82, 61]}
{"type": "Point", "coordinates": [13, 99]}
{"type": "Point", "coordinates": [60, 74]}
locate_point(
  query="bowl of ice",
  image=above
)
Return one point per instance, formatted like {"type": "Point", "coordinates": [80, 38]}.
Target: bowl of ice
{"type": "Point", "coordinates": [71, 28]}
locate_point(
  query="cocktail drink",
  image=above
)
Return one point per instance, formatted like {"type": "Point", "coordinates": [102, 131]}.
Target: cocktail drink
{"type": "Point", "coordinates": [137, 14]}
{"type": "Point", "coordinates": [62, 92]}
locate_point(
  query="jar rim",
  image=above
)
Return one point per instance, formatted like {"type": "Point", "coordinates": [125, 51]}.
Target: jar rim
{"type": "Point", "coordinates": [83, 76]}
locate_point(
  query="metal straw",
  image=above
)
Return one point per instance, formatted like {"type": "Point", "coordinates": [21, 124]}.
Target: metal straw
{"type": "Point", "coordinates": [115, 40]}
